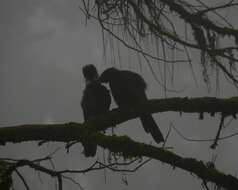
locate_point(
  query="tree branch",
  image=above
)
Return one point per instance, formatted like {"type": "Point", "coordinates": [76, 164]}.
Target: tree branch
{"type": "Point", "coordinates": [135, 22]}
{"type": "Point", "coordinates": [129, 148]}
{"type": "Point", "coordinates": [124, 145]}
{"type": "Point", "coordinates": [72, 131]}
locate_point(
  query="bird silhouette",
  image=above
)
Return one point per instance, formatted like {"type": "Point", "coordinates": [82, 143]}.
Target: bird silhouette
{"type": "Point", "coordinates": [128, 90]}
{"type": "Point", "coordinates": [96, 100]}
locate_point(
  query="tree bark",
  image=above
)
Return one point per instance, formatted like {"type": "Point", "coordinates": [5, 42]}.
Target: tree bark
{"type": "Point", "coordinates": [124, 145]}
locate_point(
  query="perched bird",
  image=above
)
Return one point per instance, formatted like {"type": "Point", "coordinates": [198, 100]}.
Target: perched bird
{"type": "Point", "coordinates": [96, 100]}
{"type": "Point", "coordinates": [128, 90]}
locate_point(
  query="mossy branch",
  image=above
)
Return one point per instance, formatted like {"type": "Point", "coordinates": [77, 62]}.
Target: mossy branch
{"type": "Point", "coordinates": [227, 107]}
{"type": "Point", "coordinates": [61, 132]}
{"type": "Point", "coordinates": [122, 145]}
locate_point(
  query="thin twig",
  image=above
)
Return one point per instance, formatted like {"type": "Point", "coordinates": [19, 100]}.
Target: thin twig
{"type": "Point", "coordinates": [22, 179]}
{"type": "Point", "coordinates": [213, 146]}
{"type": "Point", "coordinates": [203, 140]}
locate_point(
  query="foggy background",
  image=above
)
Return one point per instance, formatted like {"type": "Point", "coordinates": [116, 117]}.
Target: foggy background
{"type": "Point", "coordinates": [44, 45]}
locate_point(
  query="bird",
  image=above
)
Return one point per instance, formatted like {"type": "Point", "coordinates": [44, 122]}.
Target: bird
{"type": "Point", "coordinates": [129, 92]}
{"type": "Point", "coordinates": [95, 101]}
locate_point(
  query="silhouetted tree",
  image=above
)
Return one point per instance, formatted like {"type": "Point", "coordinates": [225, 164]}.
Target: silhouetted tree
{"type": "Point", "coordinates": [134, 23]}
{"type": "Point", "coordinates": [158, 29]}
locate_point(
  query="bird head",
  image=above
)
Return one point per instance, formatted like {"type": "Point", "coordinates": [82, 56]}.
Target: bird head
{"type": "Point", "coordinates": [90, 73]}
{"type": "Point", "coordinates": [108, 75]}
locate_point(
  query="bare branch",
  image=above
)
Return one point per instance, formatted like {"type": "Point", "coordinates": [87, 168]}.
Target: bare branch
{"type": "Point", "coordinates": [72, 131]}
{"type": "Point", "coordinates": [128, 148]}
{"type": "Point", "coordinates": [212, 9]}
{"type": "Point", "coordinates": [213, 146]}
{"type": "Point", "coordinates": [22, 179]}
{"type": "Point", "coordinates": [144, 20]}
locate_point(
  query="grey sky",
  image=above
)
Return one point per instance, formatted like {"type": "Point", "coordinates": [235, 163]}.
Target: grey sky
{"type": "Point", "coordinates": [44, 44]}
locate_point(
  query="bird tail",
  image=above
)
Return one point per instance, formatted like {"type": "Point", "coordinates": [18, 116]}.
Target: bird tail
{"type": "Point", "coordinates": [151, 127]}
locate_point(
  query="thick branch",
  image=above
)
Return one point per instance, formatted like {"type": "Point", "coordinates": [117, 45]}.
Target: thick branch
{"type": "Point", "coordinates": [187, 105]}
{"type": "Point", "coordinates": [130, 148]}
{"type": "Point", "coordinates": [126, 146]}
{"type": "Point", "coordinates": [69, 132]}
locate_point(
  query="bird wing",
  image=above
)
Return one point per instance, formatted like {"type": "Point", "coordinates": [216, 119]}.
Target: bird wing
{"type": "Point", "coordinates": [136, 86]}
{"type": "Point", "coordinates": [133, 79]}
{"type": "Point", "coordinates": [96, 100]}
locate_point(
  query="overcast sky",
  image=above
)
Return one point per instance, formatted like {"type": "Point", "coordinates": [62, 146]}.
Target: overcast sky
{"type": "Point", "coordinates": [44, 44]}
